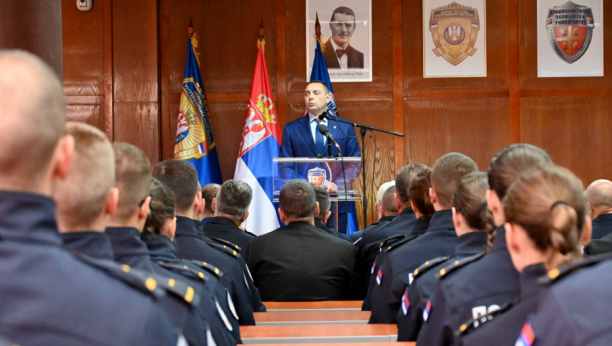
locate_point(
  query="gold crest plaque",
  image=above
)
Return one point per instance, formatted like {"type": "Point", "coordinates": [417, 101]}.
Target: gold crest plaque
{"type": "Point", "coordinates": [454, 29]}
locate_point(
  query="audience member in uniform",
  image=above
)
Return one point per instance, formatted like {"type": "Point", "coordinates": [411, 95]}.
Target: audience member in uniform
{"type": "Point", "coordinates": [384, 216]}
{"type": "Point", "coordinates": [322, 197]}
{"type": "Point", "coordinates": [439, 240]}
{"type": "Point", "coordinates": [473, 223]}
{"type": "Point", "coordinates": [182, 178]}
{"type": "Point", "coordinates": [231, 209]}
{"type": "Point", "coordinates": [479, 285]}
{"type": "Point", "coordinates": [209, 193]}
{"type": "Point", "coordinates": [48, 296]}
{"type": "Point", "coordinates": [547, 223]}
{"type": "Point", "coordinates": [299, 262]}
{"type": "Point", "coordinates": [599, 199]}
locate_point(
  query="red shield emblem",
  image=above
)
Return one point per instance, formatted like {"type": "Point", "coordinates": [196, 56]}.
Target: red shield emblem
{"type": "Point", "coordinates": [570, 29]}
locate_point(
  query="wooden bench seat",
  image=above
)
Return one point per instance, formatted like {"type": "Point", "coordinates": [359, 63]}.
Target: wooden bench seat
{"type": "Point", "coordinates": [320, 333]}
{"type": "Point", "coordinates": [411, 343]}
{"type": "Point", "coordinates": [351, 305]}
{"type": "Point", "coordinates": [312, 317]}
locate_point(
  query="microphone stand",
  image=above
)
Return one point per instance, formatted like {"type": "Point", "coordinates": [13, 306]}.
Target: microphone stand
{"type": "Point", "coordinates": [363, 131]}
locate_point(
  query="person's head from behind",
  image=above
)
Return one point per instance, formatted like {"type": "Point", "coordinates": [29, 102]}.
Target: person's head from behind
{"type": "Point", "coordinates": [133, 179]}
{"type": "Point", "coordinates": [209, 193]}
{"type": "Point", "coordinates": [316, 97]}
{"type": "Point", "coordinates": [379, 198]}
{"type": "Point", "coordinates": [546, 217]}
{"type": "Point", "coordinates": [418, 192]}
{"type": "Point", "coordinates": [599, 197]}
{"type": "Point", "coordinates": [298, 202]}
{"type": "Point", "coordinates": [506, 166]}
{"type": "Point", "coordinates": [87, 197]}
{"type": "Point", "coordinates": [182, 178]}
{"type": "Point", "coordinates": [402, 184]}
{"type": "Point", "coordinates": [233, 201]}
{"type": "Point", "coordinates": [324, 201]}
{"type": "Point", "coordinates": [161, 219]}
{"type": "Point", "coordinates": [470, 212]}
{"type": "Point", "coordinates": [342, 25]}
{"type": "Point", "coordinates": [446, 175]}
{"type": "Point", "coordinates": [35, 152]}
{"type": "Point", "coordinates": [388, 206]}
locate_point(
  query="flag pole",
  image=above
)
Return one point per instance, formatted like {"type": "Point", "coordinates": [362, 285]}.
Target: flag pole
{"type": "Point", "coordinates": [261, 41]}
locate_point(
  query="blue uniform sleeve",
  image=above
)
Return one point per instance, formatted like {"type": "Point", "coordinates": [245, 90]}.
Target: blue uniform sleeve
{"type": "Point", "coordinates": [409, 325]}
{"type": "Point", "coordinates": [550, 326]}
{"type": "Point", "coordinates": [436, 331]}
{"type": "Point", "coordinates": [382, 312]}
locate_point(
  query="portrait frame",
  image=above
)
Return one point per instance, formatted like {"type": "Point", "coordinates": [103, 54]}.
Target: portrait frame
{"type": "Point", "coordinates": [356, 63]}
{"type": "Point", "coordinates": [454, 38]}
{"type": "Point", "coordinates": [577, 52]}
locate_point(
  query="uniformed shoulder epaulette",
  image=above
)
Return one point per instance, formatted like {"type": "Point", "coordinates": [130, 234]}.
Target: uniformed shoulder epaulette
{"type": "Point", "coordinates": [225, 248]}
{"type": "Point", "coordinates": [474, 323]}
{"type": "Point", "coordinates": [247, 232]}
{"type": "Point", "coordinates": [226, 242]}
{"type": "Point", "coordinates": [184, 269]}
{"type": "Point", "coordinates": [135, 278]}
{"type": "Point", "coordinates": [397, 244]}
{"type": "Point", "coordinates": [391, 240]}
{"type": "Point", "coordinates": [555, 274]}
{"type": "Point", "coordinates": [428, 265]}
{"type": "Point", "coordinates": [177, 288]}
{"type": "Point", "coordinates": [459, 263]}
{"type": "Point", "coordinates": [211, 268]}
{"type": "Point", "coordinates": [356, 242]}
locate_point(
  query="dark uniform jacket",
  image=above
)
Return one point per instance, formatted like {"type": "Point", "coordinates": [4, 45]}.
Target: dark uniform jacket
{"type": "Point", "coordinates": [470, 291]}
{"type": "Point", "coordinates": [196, 314]}
{"type": "Point", "coordinates": [224, 228]}
{"type": "Point", "coordinates": [599, 246]}
{"type": "Point", "coordinates": [357, 235]}
{"type": "Point", "coordinates": [425, 279]}
{"type": "Point", "coordinates": [602, 226]}
{"type": "Point", "coordinates": [376, 256]}
{"type": "Point", "coordinates": [402, 224]}
{"type": "Point", "coordinates": [503, 327]}
{"type": "Point", "coordinates": [48, 297]}
{"type": "Point", "coordinates": [439, 240]}
{"type": "Point", "coordinates": [227, 247]}
{"type": "Point", "coordinates": [189, 246]}
{"type": "Point", "coordinates": [322, 227]}
{"type": "Point", "coordinates": [299, 262]}
{"type": "Point", "coordinates": [575, 309]}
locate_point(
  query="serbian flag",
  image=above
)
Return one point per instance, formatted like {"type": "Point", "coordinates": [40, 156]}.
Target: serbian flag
{"type": "Point", "coordinates": [319, 72]}
{"type": "Point", "coordinates": [261, 138]}
{"type": "Point", "coordinates": [194, 138]}
{"type": "Point", "coordinates": [405, 302]}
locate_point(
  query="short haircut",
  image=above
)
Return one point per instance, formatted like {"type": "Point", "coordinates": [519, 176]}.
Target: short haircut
{"type": "Point", "coordinates": [599, 194]}
{"type": "Point", "coordinates": [234, 198]}
{"type": "Point", "coordinates": [388, 201]}
{"type": "Point", "coordinates": [447, 174]}
{"type": "Point", "coordinates": [322, 196]}
{"type": "Point", "coordinates": [209, 192]}
{"type": "Point", "coordinates": [382, 189]}
{"type": "Point", "coordinates": [325, 88]}
{"type": "Point", "coordinates": [133, 174]}
{"type": "Point", "coordinates": [81, 197]}
{"type": "Point", "coordinates": [297, 199]}
{"type": "Point", "coordinates": [343, 10]}
{"type": "Point", "coordinates": [402, 180]}
{"type": "Point", "coordinates": [32, 116]}
{"type": "Point", "coordinates": [182, 178]}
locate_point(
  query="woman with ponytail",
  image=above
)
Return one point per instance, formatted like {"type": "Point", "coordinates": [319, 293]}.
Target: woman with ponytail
{"type": "Point", "coordinates": [476, 286]}
{"type": "Point", "coordinates": [473, 221]}
{"type": "Point", "coordinates": [547, 223]}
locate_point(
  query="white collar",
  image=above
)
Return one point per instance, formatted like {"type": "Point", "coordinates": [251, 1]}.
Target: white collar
{"type": "Point", "coordinates": [312, 117]}
{"type": "Point", "coordinates": [337, 46]}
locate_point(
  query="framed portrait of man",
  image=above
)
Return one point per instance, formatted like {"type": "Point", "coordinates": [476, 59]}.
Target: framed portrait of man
{"type": "Point", "coordinates": [346, 38]}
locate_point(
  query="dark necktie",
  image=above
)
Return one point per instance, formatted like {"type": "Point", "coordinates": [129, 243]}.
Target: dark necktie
{"type": "Point", "coordinates": [320, 141]}
{"type": "Point", "coordinates": [340, 52]}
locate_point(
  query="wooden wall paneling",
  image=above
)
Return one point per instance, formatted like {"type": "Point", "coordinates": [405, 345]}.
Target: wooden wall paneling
{"type": "Point", "coordinates": [497, 51]}
{"type": "Point", "coordinates": [108, 70]}
{"type": "Point", "coordinates": [513, 70]}
{"type": "Point", "coordinates": [166, 116]}
{"type": "Point", "coordinates": [227, 124]}
{"type": "Point", "coordinates": [281, 63]}
{"type": "Point", "coordinates": [528, 62]}
{"type": "Point", "coordinates": [575, 131]}
{"type": "Point", "coordinates": [398, 84]}
{"type": "Point", "coordinates": [135, 75]}
{"type": "Point", "coordinates": [91, 114]}
{"type": "Point", "coordinates": [478, 128]}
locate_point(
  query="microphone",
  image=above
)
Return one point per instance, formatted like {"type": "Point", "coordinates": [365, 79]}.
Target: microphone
{"type": "Point", "coordinates": [323, 116]}
{"type": "Point", "coordinates": [325, 132]}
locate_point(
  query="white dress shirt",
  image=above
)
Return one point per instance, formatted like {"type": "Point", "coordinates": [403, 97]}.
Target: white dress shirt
{"type": "Point", "coordinates": [314, 127]}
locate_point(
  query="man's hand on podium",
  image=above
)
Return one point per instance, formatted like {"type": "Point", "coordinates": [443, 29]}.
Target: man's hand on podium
{"type": "Point", "coordinates": [332, 188]}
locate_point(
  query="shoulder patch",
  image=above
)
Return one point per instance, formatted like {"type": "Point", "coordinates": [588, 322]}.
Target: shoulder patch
{"type": "Point", "coordinates": [428, 265]}
{"type": "Point", "coordinates": [474, 323]}
{"type": "Point", "coordinates": [397, 244]}
{"type": "Point", "coordinates": [459, 263]}
{"type": "Point", "coordinates": [227, 242]}
{"type": "Point", "coordinates": [177, 288]}
{"type": "Point", "coordinates": [135, 278]}
{"type": "Point", "coordinates": [209, 267]}
{"type": "Point", "coordinates": [183, 269]}
{"type": "Point", "coordinates": [556, 274]}
{"type": "Point", "coordinates": [225, 248]}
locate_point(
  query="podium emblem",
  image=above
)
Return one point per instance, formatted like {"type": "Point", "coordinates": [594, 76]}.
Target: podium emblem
{"type": "Point", "coordinates": [454, 29]}
{"type": "Point", "coordinates": [570, 30]}
{"type": "Point", "coordinates": [317, 176]}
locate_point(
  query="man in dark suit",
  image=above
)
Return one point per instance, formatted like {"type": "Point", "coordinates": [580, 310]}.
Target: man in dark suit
{"type": "Point", "coordinates": [599, 200]}
{"type": "Point", "coordinates": [324, 213]}
{"type": "Point", "coordinates": [301, 138]}
{"type": "Point", "coordinates": [209, 194]}
{"type": "Point", "coordinates": [386, 211]}
{"type": "Point", "coordinates": [299, 262]}
{"type": "Point", "coordinates": [231, 209]}
{"type": "Point", "coordinates": [338, 53]}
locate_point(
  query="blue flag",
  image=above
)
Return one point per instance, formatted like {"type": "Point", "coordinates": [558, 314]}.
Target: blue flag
{"type": "Point", "coordinates": [194, 138]}
{"type": "Point", "coordinates": [319, 72]}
